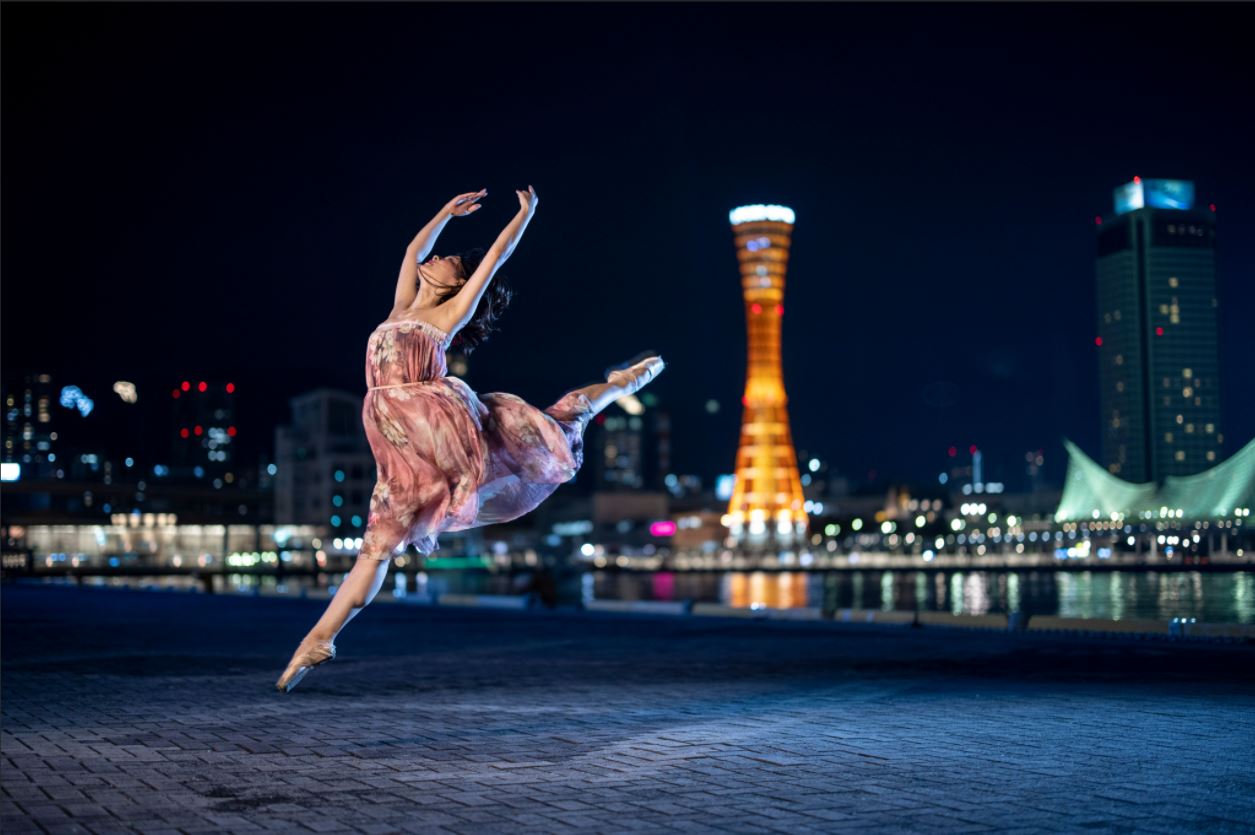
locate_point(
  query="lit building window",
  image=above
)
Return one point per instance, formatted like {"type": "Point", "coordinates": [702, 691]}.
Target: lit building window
{"type": "Point", "coordinates": [1180, 456]}
{"type": "Point", "coordinates": [1167, 436]}
{"type": "Point", "coordinates": [1210, 428]}
{"type": "Point", "coordinates": [1211, 455]}
{"type": "Point", "coordinates": [1172, 282]}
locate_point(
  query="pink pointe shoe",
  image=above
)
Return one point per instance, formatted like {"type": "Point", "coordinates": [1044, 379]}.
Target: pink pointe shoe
{"type": "Point", "coordinates": [308, 655]}
{"type": "Point", "coordinates": [633, 375]}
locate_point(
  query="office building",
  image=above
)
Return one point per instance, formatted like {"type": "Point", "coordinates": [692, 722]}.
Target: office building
{"type": "Point", "coordinates": [1157, 340]}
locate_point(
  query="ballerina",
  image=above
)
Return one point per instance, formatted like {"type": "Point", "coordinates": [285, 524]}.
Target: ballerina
{"type": "Point", "coordinates": [448, 459]}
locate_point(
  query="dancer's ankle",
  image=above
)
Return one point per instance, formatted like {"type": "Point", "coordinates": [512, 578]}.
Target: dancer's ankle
{"type": "Point", "coordinates": [318, 634]}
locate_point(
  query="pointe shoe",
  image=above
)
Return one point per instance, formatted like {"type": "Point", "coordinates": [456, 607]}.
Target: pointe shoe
{"type": "Point", "coordinates": [319, 652]}
{"type": "Point", "coordinates": [633, 375]}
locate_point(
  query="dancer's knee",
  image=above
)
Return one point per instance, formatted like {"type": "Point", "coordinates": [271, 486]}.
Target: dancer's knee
{"type": "Point", "coordinates": [373, 559]}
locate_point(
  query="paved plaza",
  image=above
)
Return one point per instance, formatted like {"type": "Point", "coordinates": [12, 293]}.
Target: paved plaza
{"type": "Point", "coordinates": [154, 712]}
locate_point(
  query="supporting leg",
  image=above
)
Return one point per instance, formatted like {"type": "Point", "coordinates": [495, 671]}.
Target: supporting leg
{"type": "Point", "coordinates": [359, 587]}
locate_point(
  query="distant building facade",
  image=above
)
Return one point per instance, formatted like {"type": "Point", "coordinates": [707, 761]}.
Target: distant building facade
{"type": "Point", "coordinates": [1157, 340]}
{"type": "Point", "coordinates": [324, 470]}
{"type": "Point", "coordinates": [204, 430]}
{"type": "Point", "coordinates": [632, 449]}
{"type": "Point", "coordinates": [29, 432]}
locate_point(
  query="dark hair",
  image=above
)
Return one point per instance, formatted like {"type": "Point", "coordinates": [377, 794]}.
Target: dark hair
{"type": "Point", "coordinates": [491, 304]}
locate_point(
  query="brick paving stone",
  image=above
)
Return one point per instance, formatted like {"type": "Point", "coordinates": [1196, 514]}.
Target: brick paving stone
{"type": "Point", "coordinates": [153, 712]}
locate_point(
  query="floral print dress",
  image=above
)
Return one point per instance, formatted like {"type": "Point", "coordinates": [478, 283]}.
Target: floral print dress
{"type": "Point", "coordinates": [447, 458]}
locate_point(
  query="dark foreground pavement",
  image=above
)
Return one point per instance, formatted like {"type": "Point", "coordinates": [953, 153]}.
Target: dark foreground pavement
{"type": "Point", "coordinates": [154, 712]}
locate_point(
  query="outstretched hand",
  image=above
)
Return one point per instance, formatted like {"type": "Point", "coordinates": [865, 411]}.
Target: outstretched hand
{"type": "Point", "coordinates": [528, 200]}
{"type": "Point", "coordinates": [465, 204]}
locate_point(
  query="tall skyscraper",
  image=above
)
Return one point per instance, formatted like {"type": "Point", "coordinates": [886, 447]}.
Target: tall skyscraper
{"type": "Point", "coordinates": [1158, 347]}
{"type": "Point", "coordinates": [632, 447]}
{"type": "Point", "coordinates": [204, 430]}
{"type": "Point", "coordinates": [767, 502]}
{"type": "Point", "coordinates": [29, 436]}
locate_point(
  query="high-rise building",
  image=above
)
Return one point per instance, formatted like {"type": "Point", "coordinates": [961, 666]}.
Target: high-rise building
{"type": "Point", "coordinates": [1157, 341]}
{"type": "Point", "coordinates": [767, 505]}
{"type": "Point", "coordinates": [204, 430]}
{"type": "Point", "coordinates": [29, 433]}
{"type": "Point", "coordinates": [324, 470]}
{"type": "Point", "coordinates": [632, 446]}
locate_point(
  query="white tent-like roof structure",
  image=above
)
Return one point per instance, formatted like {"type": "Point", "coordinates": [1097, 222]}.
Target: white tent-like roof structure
{"type": "Point", "coordinates": [1090, 492]}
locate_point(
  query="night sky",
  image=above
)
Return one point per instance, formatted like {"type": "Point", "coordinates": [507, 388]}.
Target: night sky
{"type": "Point", "coordinates": [226, 191]}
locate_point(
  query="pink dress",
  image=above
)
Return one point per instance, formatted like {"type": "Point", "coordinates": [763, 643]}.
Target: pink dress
{"type": "Point", "coordinates": [449, 459]}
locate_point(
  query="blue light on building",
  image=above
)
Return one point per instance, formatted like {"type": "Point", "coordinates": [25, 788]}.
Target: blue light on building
{"type": "Point", "coordinates": [1156, 194]}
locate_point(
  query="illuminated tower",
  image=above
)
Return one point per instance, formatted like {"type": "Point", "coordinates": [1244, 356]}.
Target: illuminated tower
{"type": "Point", "coordinates": [766, 506]}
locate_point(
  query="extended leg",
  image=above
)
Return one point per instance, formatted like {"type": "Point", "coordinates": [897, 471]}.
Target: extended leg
{"type": "Point", "coordinates": [620, 383]}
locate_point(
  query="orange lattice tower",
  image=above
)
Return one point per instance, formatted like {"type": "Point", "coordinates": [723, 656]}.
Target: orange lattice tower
{"type": "Point", "coordinates": [767, 502]}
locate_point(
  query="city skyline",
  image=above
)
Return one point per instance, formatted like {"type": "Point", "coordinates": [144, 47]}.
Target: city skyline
{"type": "Point", "coordinates": [610, 545]}
{"type": "Point", "coordinates": [944, 286]}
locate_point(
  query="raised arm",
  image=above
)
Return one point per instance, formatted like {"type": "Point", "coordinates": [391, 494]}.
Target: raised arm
{"type": "Point", "coordinates": [420, 247]}
{"type": "Point", "coordinates": [462, 306]}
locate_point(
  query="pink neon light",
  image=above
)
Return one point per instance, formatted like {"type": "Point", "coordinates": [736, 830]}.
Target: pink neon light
{"type": "Point", "coordinates": [663, 528]}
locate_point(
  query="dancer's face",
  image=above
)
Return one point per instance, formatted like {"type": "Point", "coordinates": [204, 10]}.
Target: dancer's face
{"type": "Point", "coordinates": [443, 272]}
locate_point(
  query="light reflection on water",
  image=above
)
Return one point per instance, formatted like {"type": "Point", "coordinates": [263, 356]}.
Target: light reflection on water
{"type": "Point", "coordinates": [1220, 597]}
